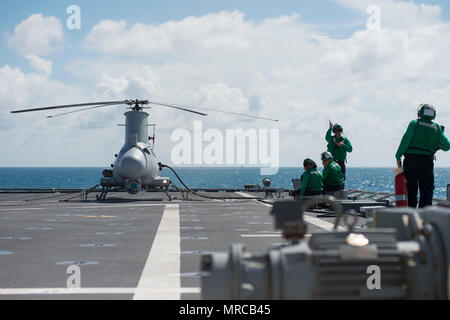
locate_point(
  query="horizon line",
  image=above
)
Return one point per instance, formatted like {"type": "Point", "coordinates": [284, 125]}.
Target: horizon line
{"type": "Point", "coordinates": [195, 167]}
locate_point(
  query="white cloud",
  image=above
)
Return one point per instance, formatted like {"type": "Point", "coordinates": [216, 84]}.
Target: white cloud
{"type": "Point", "coordinates": [371, 82]}
{"type": "Point", "coordinates": [399, 14]}
{"type": "Point", "coordinates": [222, 30]}
{"type": "Point", "coordinates": [81, 139]}
{"type": "Point", "coordinates": [220, 95]}
{"type": "Point", "coordinates": [39, 64]}
{"type": "Point", "coordinates": [19, 89]}
{"type": "Point", "coordinates": [111, 86]}
{"type": "Point", "coordinates": [36, 35]}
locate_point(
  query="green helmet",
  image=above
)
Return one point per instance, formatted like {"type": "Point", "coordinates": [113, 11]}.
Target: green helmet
{"type": "Point", "coordinates": [337, 128]}
{"type": "Point", "coordinates": [426, 111]}
{"type": "Point", "coordinates": [326, 156]}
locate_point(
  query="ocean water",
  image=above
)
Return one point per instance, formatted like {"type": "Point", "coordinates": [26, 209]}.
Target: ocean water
{"type": "Point", "coordinates": [371, 179]}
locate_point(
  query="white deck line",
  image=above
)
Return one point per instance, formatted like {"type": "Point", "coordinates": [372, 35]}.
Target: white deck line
{"type": "Point", "coordinates": [21, 209]}
{"type": "Point", "coordinates": [156, 282]}
{"type": "Point", "coordinates": [62, 291]}
{"type": "Point", "coordinates": [312, 220]}
{"type": "Point", "coordinates": [266, 235]}
{"type": "Point", "coordinates": [24, 208]}
{"type": "Point", "coordinates": [261, 235]}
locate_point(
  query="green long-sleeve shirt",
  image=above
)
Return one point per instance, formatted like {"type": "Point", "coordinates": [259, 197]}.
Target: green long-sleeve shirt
{"type": "Point", "coordinates": [422, 137]}
{"type": "Point", "coordinates": [311, 181]}
{"type": "Point", "coordinates": [339, 153]}
{"type": "Point", "coordinates": [332, 174]}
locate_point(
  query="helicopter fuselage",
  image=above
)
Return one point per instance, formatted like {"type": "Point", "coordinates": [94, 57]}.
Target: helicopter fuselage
{"type": "Point", "coordinates": [135, 167]}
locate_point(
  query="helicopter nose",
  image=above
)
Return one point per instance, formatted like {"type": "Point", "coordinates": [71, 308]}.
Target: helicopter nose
{"type": "Point", "coordinates": [133, 164]}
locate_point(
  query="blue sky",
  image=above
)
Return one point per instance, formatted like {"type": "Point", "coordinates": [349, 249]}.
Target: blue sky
{"type": "Point", "coordinates": [317, 12]}
{"type": "Point", "coordinates": [159, 11]}
{"type": "Point", "coordinates": [326, 15]}
{"type": "Point", "coordinates": [322, 12]}
{"type": "Point", "coordinates": [310, 62]}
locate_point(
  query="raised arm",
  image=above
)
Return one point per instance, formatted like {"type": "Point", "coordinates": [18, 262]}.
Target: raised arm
{"type": "Point", "coordinates": [328, 136]}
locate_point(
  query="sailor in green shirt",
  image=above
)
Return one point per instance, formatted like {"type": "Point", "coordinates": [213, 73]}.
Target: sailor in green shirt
{"type": "Point", "coordinates": [338, 145]}
{"type": "Point", "coordinates": [311, 180]}
{"type": "Point", "coordinates": [419, 144]}
{"type": "Point", "coordinates": [333, 178]}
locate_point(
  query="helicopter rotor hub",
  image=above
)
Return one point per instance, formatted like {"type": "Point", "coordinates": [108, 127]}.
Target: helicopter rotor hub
{"type": "Point", "coordinates": [137, 105]}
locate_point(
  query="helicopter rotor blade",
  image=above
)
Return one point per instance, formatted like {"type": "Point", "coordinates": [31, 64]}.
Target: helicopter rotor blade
{"type": "Point", "coordinates": [72, 106]}
{"type": "Point", "coordinates": [138, 102]}
{"type": "Point", "coordinates": [243, 115]}
{"type": "Point", "coordinates": [176, 107]}
{"type": "Point", "coordinates": [75, 111]}
{"type": "Point", "coordinates": [216, 110]}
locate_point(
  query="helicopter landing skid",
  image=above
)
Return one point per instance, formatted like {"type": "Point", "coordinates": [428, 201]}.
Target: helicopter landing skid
{"type": "Point", "coordinates": [102, 195]}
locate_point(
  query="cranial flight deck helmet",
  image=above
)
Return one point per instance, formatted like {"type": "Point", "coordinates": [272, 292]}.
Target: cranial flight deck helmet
{"type": "Point", "coordinates": [426, 111]}
{"type": "Point", "coordinates": [309, 162]}
{"type": "Point", "coordinates": [326, 156]}
{"type": "Point", "coordinates": [337, 128]}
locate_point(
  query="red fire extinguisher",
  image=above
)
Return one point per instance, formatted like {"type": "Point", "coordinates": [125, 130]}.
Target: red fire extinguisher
{"type": "Point", "coordinates": [401, 191]}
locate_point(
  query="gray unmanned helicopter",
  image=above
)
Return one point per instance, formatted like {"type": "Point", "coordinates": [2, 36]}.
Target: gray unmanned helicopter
{"type": "Point", "coordinates": [136, 167]}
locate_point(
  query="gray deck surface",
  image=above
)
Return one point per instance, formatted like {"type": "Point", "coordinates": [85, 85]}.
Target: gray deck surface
{"type": "Point", "coordinates": [111, 242]}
